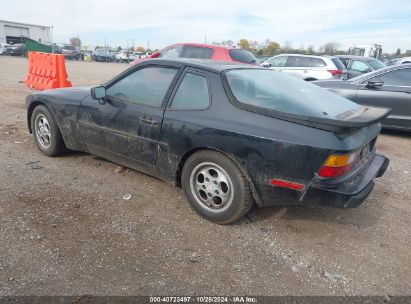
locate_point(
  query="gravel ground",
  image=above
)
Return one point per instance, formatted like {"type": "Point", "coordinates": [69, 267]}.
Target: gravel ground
{"type": "Point", "coordinates": [66, 229]}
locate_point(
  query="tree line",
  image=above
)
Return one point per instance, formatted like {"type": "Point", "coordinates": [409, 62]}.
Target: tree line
{"type": "Point", "coordinates": [270, 48]}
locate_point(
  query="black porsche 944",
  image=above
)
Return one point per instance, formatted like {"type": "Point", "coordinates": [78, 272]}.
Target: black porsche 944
{"type": "Point", "coordinates": [230, 135]}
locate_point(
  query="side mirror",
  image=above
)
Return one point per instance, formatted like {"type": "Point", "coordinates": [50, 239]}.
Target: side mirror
{"type": "Point", "coordinates": [375, 83]}
{"type": "Point", "coordinates": [98, 93]}
{"type": "Point", "coordinates": [155, 55]}
{"type": "Point", "coordinates": [266, 64]}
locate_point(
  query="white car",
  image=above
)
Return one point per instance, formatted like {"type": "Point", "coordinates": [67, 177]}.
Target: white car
{"type": "Point", "coordinates": [307, 67]}
{"type": "Point", "coordinates": [3, 48]}
{"type": "Point", "coordinates": [125, 56]}
{"type": "Point", "coordinates": [403, 60]}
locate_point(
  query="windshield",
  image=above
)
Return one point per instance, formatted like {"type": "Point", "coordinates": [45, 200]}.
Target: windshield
{"type": "Point", "coordinates": [277, 91]}
{"type": "Point", "coordinates": [376, 64]}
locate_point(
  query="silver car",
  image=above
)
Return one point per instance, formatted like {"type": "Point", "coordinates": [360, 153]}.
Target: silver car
{"type": "Point", "coordinates": [3, 48]}
{"type": "Point", "coordinates": [404, 60]}
{"type": "Point", "coordinates": [307, 67]}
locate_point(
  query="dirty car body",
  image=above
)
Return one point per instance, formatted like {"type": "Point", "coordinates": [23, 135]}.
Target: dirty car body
{"type": "Point", "coordinates": [281, 153]}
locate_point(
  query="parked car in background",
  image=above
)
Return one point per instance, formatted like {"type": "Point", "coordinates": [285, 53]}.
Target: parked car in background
{"type": "Point", "coordinates": [18, 49]}
{"type": "Point", "coordinates": [148, 54]}
{"type": "Point", "coordinates": [358, 65]}
{"type": "Point", "coordinates": [389, 62]}
{"type": "Point", "coordinates": [404, 60]}
{"type": "Point", "coordinates": [3, 48]}
{"type": "Point", "coordinates": [229, 134]}
{"type": "Point", "coordinates": [55, 49]}
{"type": "Point", "coordinates": [263, 59]}
{"type": "Point", "coordinates": [125, 56]}
{"type": "Point", "coordinates": [70, 52]}
{"type": "Point", "coordinates": [307, 67]}
{"type": "Point", "coordinates": [103, 55]}
{"type": "Point", "coordinates": [204, 51]}
{"type": "Point", "coordinates": [388, 87]}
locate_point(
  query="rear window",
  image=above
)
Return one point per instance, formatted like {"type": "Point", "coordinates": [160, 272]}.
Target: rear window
{"type": "Point", "coordinates": [69, 47]}
{"type": "Point", "coordinates": [276, 91]}
{"type": "Point", "coordinates": [196, 52]}
{"type": "Point", "coordinates": [338, 64]}
{"type": "Point", "coordinates": [317, 62]}
{"type": "Point", "coordinates": [242, 56]}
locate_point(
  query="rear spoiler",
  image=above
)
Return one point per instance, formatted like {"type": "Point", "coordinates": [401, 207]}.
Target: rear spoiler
{"type": "Point", "coordinates": [369, 116]}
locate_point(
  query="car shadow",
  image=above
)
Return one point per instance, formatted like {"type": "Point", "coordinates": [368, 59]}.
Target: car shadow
{"type": "Point", "coordinates": [366, 215]}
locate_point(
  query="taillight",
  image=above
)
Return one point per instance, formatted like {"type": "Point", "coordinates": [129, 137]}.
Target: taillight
{"type": "Point", "coordinates": [335, 72]}
{"type": "Point", "coordinates": [337, 165]}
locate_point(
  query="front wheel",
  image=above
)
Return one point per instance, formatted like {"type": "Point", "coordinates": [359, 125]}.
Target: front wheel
{"type": "Point", "coordinates": [215, 187]}
{"type": "Point", "coordinates": [46, 132]}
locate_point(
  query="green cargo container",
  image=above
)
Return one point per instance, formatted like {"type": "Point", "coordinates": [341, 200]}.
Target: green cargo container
{"type": "Point", "coordinates": [35, 46]}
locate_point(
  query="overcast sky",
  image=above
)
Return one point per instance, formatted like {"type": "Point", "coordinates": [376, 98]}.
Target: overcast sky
{"type": "Point", "coordinates": [127, 22]}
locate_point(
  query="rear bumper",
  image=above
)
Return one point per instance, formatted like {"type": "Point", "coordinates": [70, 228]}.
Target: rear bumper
{"type": "Point", "coordinates": [350, 194]}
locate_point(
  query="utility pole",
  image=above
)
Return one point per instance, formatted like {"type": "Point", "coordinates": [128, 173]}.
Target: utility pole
{"type": "Point", "coordinates": [205, 38]}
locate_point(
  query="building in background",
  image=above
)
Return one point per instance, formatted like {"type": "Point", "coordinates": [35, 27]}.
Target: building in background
{"type": "Point", "coordinates": [12, 32]}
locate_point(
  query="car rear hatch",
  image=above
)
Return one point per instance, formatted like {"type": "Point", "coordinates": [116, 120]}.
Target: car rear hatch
{"type": "Point", "coordinates": [340, 71]}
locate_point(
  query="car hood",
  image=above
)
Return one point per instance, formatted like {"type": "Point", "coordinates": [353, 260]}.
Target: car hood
{"type": "Point", "coordinates": [76, 91]}
{"type": "Point", "coordinates": [76, 94]}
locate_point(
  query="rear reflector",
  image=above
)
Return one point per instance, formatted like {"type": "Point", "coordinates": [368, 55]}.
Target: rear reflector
{"type": "Point", "coordinates": [285, 184]}
{"type": "Point", "coordinates": [335, 72]}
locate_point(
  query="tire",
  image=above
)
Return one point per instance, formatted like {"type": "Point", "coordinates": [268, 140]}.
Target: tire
{"type": "Point", "coordinates": [46, 132]}
{"type": "Point", "coordinates": [215, 187]}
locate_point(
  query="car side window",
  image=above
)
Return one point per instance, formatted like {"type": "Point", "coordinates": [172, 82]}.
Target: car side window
{"type": "Point", "coordinates": [359, 66]}
{"type": "Point", "coordinates": [278, 61]}
{"type": "Point", "coordinates": [192, 94]}
{"type": "Point", "coordinates": [400, 77]}
{"type": "Point", "coordinates": [146, 86]}
{"type": "Point", "coordinates": [299, 61]}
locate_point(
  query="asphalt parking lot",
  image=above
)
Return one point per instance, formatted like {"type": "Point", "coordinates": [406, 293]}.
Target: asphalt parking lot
{"type": "Point", "coordinates": [67, 230]}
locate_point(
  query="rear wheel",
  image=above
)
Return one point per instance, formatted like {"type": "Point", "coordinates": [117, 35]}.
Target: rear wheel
{"type": "Point", "coordinates": [46, 132]}
{"type": "Point", "coordinates": [215, 187]}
